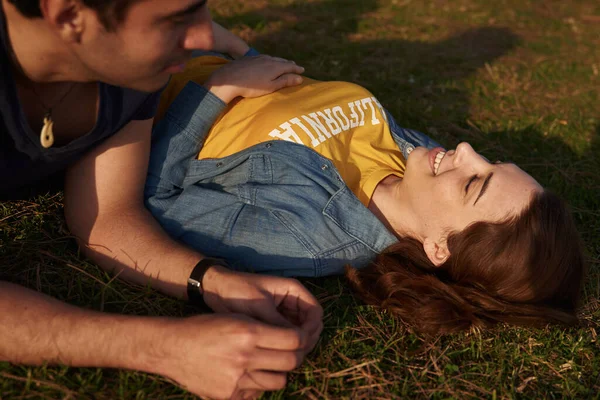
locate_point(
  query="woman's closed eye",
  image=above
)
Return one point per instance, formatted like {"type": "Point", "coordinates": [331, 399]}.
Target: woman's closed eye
{"type": "Point", "coordinates": [473, 179]}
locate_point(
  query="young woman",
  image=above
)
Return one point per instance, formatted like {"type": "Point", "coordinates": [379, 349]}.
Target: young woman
{"type": "Point", "coordinates": [311, 179]}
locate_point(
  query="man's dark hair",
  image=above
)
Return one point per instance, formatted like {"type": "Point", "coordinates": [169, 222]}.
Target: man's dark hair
{"type": "Point", "coordinates": [110, 12]}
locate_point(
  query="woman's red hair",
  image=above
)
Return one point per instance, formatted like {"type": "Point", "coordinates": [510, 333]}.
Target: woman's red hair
{"type": "Point", "coordinates": [527, 270]}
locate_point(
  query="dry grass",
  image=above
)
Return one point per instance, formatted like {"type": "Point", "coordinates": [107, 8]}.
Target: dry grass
{"type": "Point", "coordinates": [518, 79]}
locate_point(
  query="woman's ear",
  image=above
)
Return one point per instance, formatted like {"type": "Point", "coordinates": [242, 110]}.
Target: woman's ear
{"type": "Point", "coordinates": [437, 252]}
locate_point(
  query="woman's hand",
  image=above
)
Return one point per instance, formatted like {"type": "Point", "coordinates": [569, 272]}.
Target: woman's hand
{"type": "Point", "coordinates": [275, 300]}
{"type": "Point", "coordinates": [253, 77]}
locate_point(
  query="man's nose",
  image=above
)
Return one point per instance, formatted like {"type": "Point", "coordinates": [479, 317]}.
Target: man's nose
{"type": "Point", "coordinates": [199, 36]}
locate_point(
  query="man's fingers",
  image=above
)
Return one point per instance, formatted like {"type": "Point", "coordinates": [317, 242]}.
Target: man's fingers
{"type": "Point", "coordinates": [313, 340]}
{"type": "Point", "coordinates": [271, 316]}
{"type": "Point", "coordinates": [262, 381]}
{"type": "Point", "coordinates": [275, 338]}
{"type": "Point", "coordinates": [246, 394]}
{"type": "Point", "coordinates": [312, 320]}
{"type": "Point", "coordinates": [298, 304]}
{"type": "Point", "coordinates": [302, 305]}
{"type": "Point", "coordinates": [276, 360]}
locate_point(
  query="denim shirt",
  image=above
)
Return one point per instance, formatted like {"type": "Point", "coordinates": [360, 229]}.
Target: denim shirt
{"type": "Point", "coordinates": [277, 207]}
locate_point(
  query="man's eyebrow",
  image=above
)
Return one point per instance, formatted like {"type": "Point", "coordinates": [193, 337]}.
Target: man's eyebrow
{"type": "Point", "coordinates": [186, 11]}
{"type": "Point", "coordinates": [484, 187]}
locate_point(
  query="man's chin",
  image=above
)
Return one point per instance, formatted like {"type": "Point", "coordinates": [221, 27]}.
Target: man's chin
{"type": "Point", "coordinates": [150, 85]}
{"type": "Point", "coordinates": [156, 85]}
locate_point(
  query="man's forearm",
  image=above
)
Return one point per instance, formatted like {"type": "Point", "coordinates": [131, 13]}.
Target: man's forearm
{"type": "Point", "coordinates": [104, 203]}
{"type": "Point", "coordinates": [132, 244]}
{"type": "Point", "coordinates": [36, 329]}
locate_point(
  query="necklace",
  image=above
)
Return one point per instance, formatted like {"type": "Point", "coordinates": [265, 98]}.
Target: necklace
{"type": "Point", "coordinates": [47, 132]}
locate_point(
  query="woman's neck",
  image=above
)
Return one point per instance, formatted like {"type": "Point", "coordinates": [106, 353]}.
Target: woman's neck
{"type": "Point", "coordinates": [388, 205]}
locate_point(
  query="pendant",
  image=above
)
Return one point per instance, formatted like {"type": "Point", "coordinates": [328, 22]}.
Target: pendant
{"type": "Point", "coordinates": [47, 135]}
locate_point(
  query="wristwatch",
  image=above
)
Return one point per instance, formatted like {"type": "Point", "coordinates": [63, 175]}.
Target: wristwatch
{"type": "Point", "coordinates": [194, 286]}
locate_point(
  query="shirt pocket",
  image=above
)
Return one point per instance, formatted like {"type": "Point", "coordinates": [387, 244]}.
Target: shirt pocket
{"type": "Point", "coordinates": [297, 197]}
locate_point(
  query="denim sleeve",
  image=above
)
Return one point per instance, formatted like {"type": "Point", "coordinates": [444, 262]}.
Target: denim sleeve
{"type": "Point", "coordinates": [252, 52]}
{"type": "Point", "coordinates": [178, 137]}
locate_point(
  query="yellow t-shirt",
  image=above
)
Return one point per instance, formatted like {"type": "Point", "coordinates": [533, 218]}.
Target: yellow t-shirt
{"type": "Point", "coordinates": [339, 120]}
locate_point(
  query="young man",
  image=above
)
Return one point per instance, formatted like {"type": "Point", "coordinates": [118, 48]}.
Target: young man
{"type": "Point", "coordinates": [80, 88]}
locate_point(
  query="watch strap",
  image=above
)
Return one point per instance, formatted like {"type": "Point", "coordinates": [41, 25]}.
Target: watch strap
{"type": "Point", "coordinates": [195, 291]}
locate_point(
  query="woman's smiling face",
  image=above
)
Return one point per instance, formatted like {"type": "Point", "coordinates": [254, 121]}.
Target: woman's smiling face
{"type": "Point", "coordinates": [448, 191]}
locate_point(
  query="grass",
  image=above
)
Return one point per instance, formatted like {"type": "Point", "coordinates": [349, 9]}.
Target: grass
{"type": "Point", "coordinates": [520, 80]}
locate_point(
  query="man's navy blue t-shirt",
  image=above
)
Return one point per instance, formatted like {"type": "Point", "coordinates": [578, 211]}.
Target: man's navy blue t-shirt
{"type": "Point", "coordinates": [25, 166]}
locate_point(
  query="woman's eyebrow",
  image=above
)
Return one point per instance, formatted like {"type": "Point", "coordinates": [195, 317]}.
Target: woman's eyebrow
{"type": "Point", "coordinates": [484, 187]}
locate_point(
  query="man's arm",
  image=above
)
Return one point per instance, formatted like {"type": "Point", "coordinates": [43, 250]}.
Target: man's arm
{"type": "Point", "coordinates": [105, 211]}
{"type": "Point", "coordinates": [104, 204]}
{"type": "Point", "coordinates": [35, 328]}
{"type": "Point", "coordinates": [211, 355]}
{"type": "Point", "coordinates": [104, 208]}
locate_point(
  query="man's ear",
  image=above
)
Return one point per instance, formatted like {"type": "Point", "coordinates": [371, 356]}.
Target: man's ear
{"type": "Point", "coordinates": [66, 16]}
{"type": "Point", "coordinates": [437, 252]}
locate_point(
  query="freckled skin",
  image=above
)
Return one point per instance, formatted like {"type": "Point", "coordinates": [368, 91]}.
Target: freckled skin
{"type": "Point", "coordinates": [428, 206]}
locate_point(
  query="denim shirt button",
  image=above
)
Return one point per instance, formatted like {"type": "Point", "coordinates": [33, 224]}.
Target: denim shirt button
{"type": "Point", "coordinates": [324, 167]}
{"type": "Point", "coordinates": [219, 164]}
{"type": "Point", "coordinates": [409, 149]}
{"type": "Point", "coordinates": [268, 145]}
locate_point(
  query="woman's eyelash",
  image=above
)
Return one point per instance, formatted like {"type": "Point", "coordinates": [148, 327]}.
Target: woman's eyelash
{"type": "Point", "coordinates": [473, 178]}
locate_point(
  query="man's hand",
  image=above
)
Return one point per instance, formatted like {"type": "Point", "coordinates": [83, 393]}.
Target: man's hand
{"type": "Point", "coordinates": [218, 356]}
{"type": "Point", "coordinates": [253, 77]}
{"type": "Point", "coordinates": [279, 301]}
{"type": "Point", "coordinates": [228, 356]}
{"type": "Point", "coordinates": [228, 43]}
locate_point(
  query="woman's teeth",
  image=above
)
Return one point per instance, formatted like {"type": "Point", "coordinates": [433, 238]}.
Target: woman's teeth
{"type": "Point", "coordinates": [438, 161]}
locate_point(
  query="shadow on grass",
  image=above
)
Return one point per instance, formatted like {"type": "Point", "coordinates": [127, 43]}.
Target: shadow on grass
{"type": "Point", "coordinates": [318, 34]}
{"type": "Point", "coordinates": [36, 251]}
{"type": "Point", "coordinates": [421, 83]}
{"type": "Point", "coordinates": [326, 37]}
